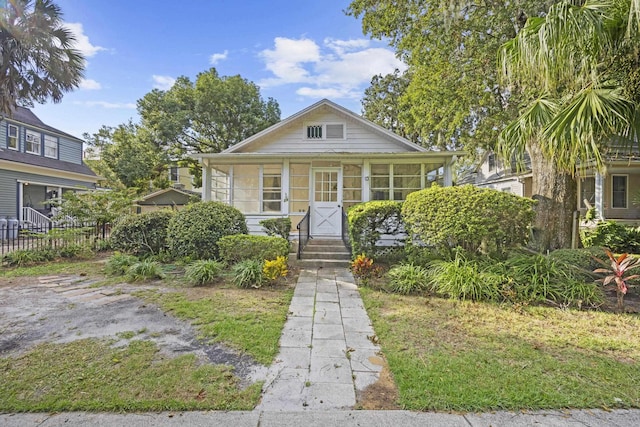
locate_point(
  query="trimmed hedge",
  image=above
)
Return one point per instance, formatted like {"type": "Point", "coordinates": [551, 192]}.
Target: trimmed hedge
{"type": "Point", "coordinates": [476, 219]}
{"type": "Point", "coordinates": [194, 232]}
{"type": "Point", "coordinates": [277, 227]}
{"type": "Point", "coordinates": [241, 247]}
{"type": "Point", "coordinates": [368, 221]}
{"type": "Point", "coordinates": [144, 234]}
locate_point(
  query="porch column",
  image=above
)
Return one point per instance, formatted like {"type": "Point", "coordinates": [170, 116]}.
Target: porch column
{"type": "Point", "coordinates": [285, 187]}
{"type": "Point", "coordinates": [206, 181]}
{"type": "Point", "coordinates": [20, 200]}
{"type": "Point", "coordinates": [599, 196]}
{"type": "Point", "coordinates": [448, 176]}
{"type": "Point", "coordinates": [366, 181]}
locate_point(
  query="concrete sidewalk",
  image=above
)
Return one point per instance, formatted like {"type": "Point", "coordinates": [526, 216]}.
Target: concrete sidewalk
{"type": "Point", "coordinates": [327, 353]}
{"type": "Point", "coordinates": [326, 357]}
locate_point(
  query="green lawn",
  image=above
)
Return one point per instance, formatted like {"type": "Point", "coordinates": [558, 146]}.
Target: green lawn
{"type": "Point", "coordinates": [464, 356]}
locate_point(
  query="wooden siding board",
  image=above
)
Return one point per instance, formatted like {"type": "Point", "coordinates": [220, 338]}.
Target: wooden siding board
{"type": "Point", "coordinates": [69, 151]}
{"type": "Point", "coordinates": [292, 139]}
{"type": "Point", "coordinates": [3, 134]}
{"type": "Point", "coordinates": [8, 195]}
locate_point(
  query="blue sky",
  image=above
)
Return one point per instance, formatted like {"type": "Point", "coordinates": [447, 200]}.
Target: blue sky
{"type": "Point", "coordinates": [298, 52]}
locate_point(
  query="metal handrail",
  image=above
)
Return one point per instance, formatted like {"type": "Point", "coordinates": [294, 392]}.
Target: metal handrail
{"type": "Point", "coordinates": [304, 232]}
{"type": "Point", "coordinates": [345, 230]}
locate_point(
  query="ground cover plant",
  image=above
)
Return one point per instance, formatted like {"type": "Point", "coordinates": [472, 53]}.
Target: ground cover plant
{"type": "Point", "coordinates": [465, 356]}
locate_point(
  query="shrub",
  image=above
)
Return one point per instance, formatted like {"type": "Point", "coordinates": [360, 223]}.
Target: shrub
{"type": "Point", "coordinates": [145, 270]}
{"type": "Point", "coordinates": [280, 227]}
{"type": "Point", "coordinates": [408, 278]}
{"type": "Point", "coordinates": [240, 247]}
{"type": "Point", "coordinates": [473, 218]}
{"type": "Point", "coordinates": [368, 221]}
{"type": "Point", "coordinates": [203, 271]}
{"type": "Point", "coordinates": [74, 250]}
{"type": "Point", "coordinates": [142, 234]}
{"type": "Point", "coordinates": [118, 264]}
{"type": "Point", "coordinates": [274, 269]}
{"type": "Point", "coordinates": [195, 231]}
{"type": "Point", "coordinates": [539, 278]}
{"type": "Point", "coordinates": [583, 259]}
{"type": "Point", "coordinates": [465, 278]}
{"type": "Point", "coordinates": [25, 257]}
{"type": "Point", "coordinates": [248, 273]}
{"type": "Point", "coordinates": [419, 255]}
{"type": "Point", "coordinates": [616, 237]}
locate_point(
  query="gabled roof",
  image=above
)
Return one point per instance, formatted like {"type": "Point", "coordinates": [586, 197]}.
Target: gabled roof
{"type": "Point", "coordinates": [26, 116]}
{"type": "Point", "coordinates": [308, 111]}
{"type": "Point", "coordinates": [165, 191]}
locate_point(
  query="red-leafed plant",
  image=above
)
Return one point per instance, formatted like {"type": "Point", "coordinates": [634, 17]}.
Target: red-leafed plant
{"type": "Point", "coordinates": [364, 270]}
{"type": "Point", "coordinates": [619, 267]}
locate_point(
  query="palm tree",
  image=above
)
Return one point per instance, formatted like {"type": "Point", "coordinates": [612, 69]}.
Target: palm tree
{"type": "Point", "coordinates": [579, 64]}
{"type": "Point", "coordinates": [37, 58]}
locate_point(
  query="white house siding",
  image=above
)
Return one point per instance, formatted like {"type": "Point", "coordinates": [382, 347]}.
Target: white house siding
{"type": "Point", "coordinates": [292, 139]}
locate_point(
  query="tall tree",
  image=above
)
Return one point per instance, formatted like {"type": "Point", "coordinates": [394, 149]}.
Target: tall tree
{"type": "Point", "coordinates": [453, 99]}
{"type": "Point", "coordinates": [580, 67]}
{"type": "Point", "coordinates": [209, 115]}
{"type": "Point", "coordinates": [37, 58]}
{"type": "Point", "coordinates": [383, 103]}
{"type": "Point", "coordinates": [127, 158]}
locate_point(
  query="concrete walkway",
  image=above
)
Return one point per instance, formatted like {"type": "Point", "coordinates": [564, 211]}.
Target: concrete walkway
{"type": "Point", "coordinates": [327, 353]}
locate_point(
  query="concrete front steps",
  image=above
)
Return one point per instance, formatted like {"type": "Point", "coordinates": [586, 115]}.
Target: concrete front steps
{"type": "Point", "coordinates": [327, 253]}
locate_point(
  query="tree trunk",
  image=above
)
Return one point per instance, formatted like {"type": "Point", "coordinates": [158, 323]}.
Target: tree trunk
{"type": "Point", "coordinates": [555, 192]}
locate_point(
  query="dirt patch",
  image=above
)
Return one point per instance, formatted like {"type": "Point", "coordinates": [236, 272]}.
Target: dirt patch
{"type": "Point", "coordinates": [61, 309]}
{"type": "Point", "coordinates": [382, 395]}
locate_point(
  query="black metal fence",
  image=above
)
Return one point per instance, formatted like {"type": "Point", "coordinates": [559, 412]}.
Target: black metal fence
{"type": "Point", "coordinates": [304, 230]}
{"type": "Point", "coordinates": [15, 237]}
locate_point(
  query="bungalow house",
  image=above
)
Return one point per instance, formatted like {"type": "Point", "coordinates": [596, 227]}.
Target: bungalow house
{"type": "Point", "coordinates": [611, 193]}
{"type": "Point", "coordinates": [319, 162]}
{"type": "Point", "coordinates": [37, 164]}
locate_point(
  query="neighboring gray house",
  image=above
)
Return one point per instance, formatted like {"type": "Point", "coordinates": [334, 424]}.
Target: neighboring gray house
{"type": "Point", "coordinates": [611, 193]}
{"type": "Point", "coordinates": [37, 164]}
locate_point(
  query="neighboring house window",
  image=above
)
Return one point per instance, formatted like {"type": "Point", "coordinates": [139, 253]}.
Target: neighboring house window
{"type": "Point", "coordinates": [619, 191]}
{"type": "Point", "coordinates": [32, 142]}
{"type": "Point", "coordinates": [272, 188]}
{"type": "Point", "coordinates": [588, 192]}
{"type": "Point", "coordinates": [492, 162]}
{"type": "Point", "coordinates": [173, 174]}
{"type": "Point", "coordinates": [12, 137]}
{"type": "Point", "coordinates": [51, 146]}
{"type": "Point", "coordinates": [314, 132]}
{"type": "Point", "coordinates": [327, 131]}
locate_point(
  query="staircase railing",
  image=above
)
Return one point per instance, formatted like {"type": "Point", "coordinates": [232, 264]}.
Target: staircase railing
{"type": "Point", "coordinates": [345, 230]}
{"type": "Point", "coordinates": [35, 219]}
{"type": "Point", "coordinates": [304, 232]}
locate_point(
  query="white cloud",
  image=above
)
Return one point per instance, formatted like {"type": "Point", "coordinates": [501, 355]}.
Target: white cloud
{"type": "Point", "coordinates": [337, 69]}
{"type": "Point", "coordinates": [82, 40]}
{"type": "Point", "coordinates": [217, 57]}
{"type": "Point", "coordinates": [89, 84]}
{"type": "Point", "coordinates": [287, 59]}
{"type": "Point", "coordinates": [163, 82]}
{"type": "Point", "coordinates": [108, 105]}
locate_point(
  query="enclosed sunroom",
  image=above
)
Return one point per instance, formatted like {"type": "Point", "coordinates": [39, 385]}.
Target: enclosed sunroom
{"type": "Point", "coordinates": [319, 162]}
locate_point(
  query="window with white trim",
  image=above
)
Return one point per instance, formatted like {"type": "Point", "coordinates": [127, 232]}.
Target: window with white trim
{"type": "Point", "coordinates": [12, 137]}
{"type": "Point", "coordinates": [51, 146]}
{"type": "Point", "coordinates": [325, 131]}
{"type": "Point", "coordinates": [619, 191]}
{"type": "Point", "coordinates": [587, 192]}
{"type": "Point", "coordinates": [33, 141]}
{"type": "Point", "coordinates": [351, 185]}
{"type": "Point", "coordinates": [271, 188]}
{"type": "Point", "coordinates": [298, 187]}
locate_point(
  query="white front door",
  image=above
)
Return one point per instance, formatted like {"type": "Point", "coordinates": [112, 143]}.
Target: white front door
{"type": "Point", "coordinates": [326, 212]}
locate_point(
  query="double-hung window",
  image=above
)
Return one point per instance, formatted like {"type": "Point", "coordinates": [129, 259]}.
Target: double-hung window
{"type": "Point", "coordinates": [51, 146]}
{"type": "Point", "coordinates": [173, 174]}
{"type": "Point", "coordinates": [619, 191]}
{"type": "Point", "coordinates": [12, 137]}
{"type": "Point", "coordinates": [33, 142]}
{"type": "Point", "coordinates": [587, 192]}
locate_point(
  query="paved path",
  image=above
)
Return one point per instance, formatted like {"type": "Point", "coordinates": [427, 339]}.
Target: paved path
{"type": "Point", "coordinates": [327, 353]}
